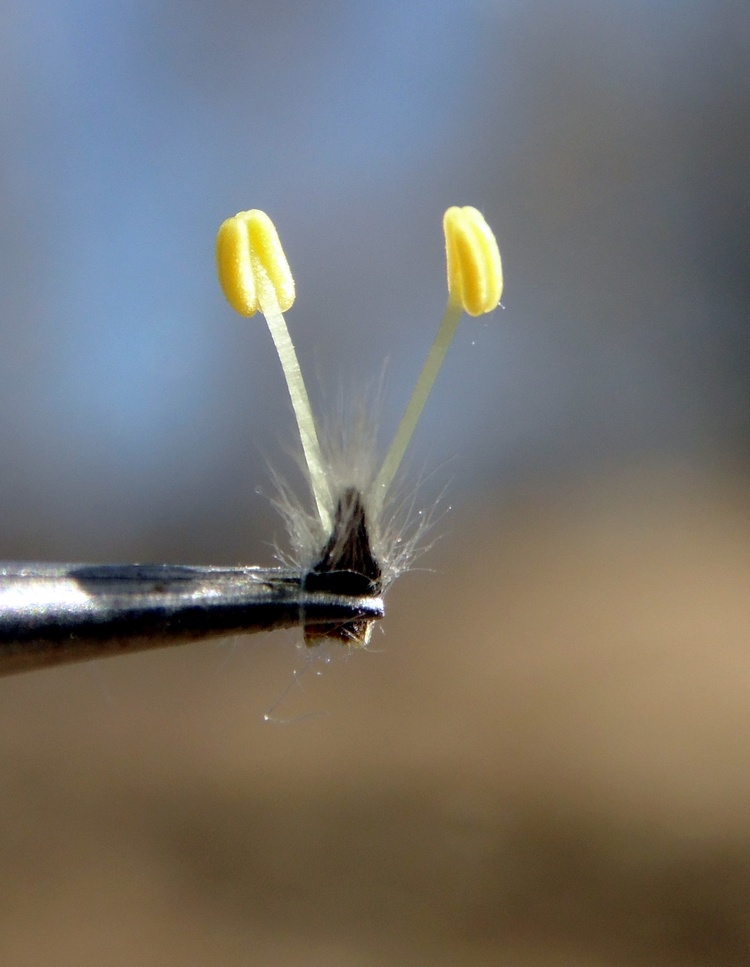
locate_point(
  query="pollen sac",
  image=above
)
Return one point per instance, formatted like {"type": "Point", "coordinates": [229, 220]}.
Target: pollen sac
{"type": "Point", "coordinates": [475, 273]}
{"type": "Point", "coordinates": [251, 264]}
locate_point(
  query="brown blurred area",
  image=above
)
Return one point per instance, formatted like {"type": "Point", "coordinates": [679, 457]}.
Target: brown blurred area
{"type": "Point", "coordinates": [541, 761]}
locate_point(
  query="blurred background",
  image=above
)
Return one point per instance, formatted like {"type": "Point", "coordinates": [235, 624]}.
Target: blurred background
{"type": "Point", "coordinates": [543, 758]}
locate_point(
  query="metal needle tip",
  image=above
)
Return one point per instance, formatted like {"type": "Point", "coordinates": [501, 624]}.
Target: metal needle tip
{"type": "Point", "coordinates": [53, 614]}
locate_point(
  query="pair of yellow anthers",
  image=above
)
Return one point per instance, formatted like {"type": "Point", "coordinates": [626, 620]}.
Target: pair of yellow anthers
{"type": "Point", "coordinates": [255, 275]}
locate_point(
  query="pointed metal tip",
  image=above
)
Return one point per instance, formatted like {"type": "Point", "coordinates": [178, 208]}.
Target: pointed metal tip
{"type": "Point", "coordinates": [53, 614]}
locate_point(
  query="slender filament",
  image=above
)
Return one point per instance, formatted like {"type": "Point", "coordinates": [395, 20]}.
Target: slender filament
{"type": "Point", "coordinates": [269, 306]}
{"type": "Point", "coordinates": [434, 361]}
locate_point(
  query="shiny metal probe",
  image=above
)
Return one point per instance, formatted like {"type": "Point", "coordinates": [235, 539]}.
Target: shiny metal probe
{"type": "Point", "coordinates": [53, 614]}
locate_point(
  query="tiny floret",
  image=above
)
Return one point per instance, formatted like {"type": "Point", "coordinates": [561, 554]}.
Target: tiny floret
{"type": "Point", "coordinates": [475, 274]}
{"type": "Point", "coordinates": [253, 270]}
{"type": "Point", "coordinates": [344, 543]}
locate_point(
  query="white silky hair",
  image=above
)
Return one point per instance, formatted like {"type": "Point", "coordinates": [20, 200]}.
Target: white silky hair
{"type": "Point", "coordinates": [397, 527]}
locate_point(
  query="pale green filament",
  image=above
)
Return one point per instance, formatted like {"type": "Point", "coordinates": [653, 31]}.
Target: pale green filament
{"type": "Point", "coordinates": [269, 306]}
{"type": "Point", "coordinates": [434, 361]}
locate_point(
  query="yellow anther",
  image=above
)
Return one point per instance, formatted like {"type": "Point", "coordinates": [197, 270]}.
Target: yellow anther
{"type": "Point", "coordinates": [253, 270]}
{"type": "Point", "coordinates": [475, 273]}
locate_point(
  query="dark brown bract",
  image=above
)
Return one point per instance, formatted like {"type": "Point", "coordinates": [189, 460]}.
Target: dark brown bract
{"type": "Point", "coordinates": [348, 567]}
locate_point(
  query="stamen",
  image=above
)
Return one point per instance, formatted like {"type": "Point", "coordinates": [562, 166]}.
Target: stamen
{"type": "Point", "coordinates": [254, 274]}
{"type": "Point", "coordinates": [475, 284]}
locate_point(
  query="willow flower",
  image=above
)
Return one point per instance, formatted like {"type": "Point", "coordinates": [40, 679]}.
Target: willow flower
{"type": "Point", "coordinates": [351, 558]}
